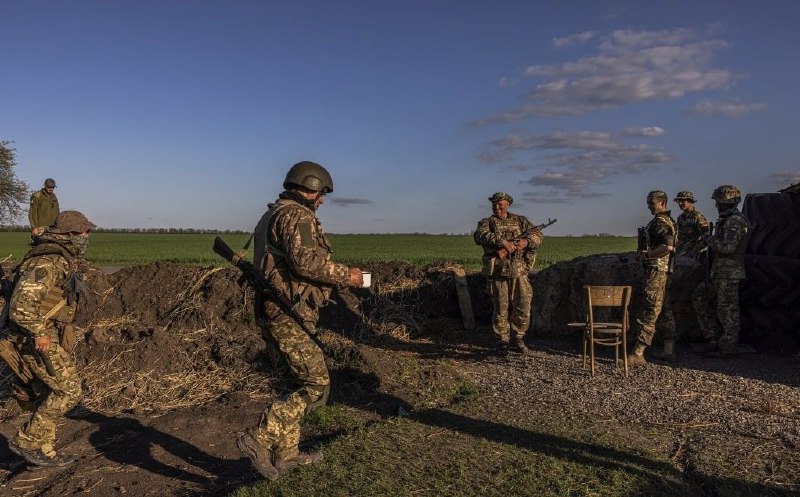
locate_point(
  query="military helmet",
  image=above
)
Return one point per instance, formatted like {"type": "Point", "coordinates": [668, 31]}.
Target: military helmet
{"type": "Point", "coordinates": [49, 183]}
{"type": "Point", "coordinates": [309, 175]}
{"type": "Point", "coordinates": [727, 194]}
{"type": "Point", "coordinates": [72, 222]}
{"type": "Point", "coordinates": [658, 195]}
{"type": "Point", "coordinates": [497, 197]}
{"type": "Point", "coordinates": [685, 195]}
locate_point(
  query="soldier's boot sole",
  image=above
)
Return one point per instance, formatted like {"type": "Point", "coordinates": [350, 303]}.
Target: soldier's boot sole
{"type": "Point", "coordinates": [260, 456]}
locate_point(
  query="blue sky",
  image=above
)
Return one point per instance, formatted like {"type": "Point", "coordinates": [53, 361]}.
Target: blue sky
{"type": "Point", "coordinates": [188, 114]}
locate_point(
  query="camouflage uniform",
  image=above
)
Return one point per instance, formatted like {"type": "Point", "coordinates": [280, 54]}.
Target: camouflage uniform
{"type": "Point", "coordinates": [727, 246]}
{"type": "Point", "coordinates": [692, 225]}
{"type": "Point", "coordinates": [509, 281]}
{"type": "Point", "coordinates": [297, 261]}
{"type": "Point", "coordinates": [40, 306]}
{"type": "Point", "coordinates": [43, 209]}
{"type": "Point", "coordinates": [656, 306]}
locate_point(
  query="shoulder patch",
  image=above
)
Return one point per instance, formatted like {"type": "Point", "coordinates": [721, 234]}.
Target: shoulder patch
{"type": "Point", "coordinates": [306, 235]}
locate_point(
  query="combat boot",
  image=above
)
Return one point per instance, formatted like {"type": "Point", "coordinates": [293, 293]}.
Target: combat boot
{"type": "Point", "coordinates": [260, 456]}
{"type": "Point", "coordinates": [520, 346]}
{"type": "Point", "coordinates": [39, 458]}
{"type": "Point", "coordinates": [704, 346]}
{"type": "Point", "coordinates": [301, 459]}
{"type": "Point", "coordinates": [637, 357]}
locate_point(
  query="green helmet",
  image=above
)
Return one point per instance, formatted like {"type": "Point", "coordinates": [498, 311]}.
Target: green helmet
{"type": "Point", "coordinates": [49, 183]}
{"type": "Point", "coordinates": [727, 194]}
{"type": "Point", "coordinates": [658, 195]}
{"type": "Point", "coordinates": [72, 222]}
{"type": "Point", "coordinates": [497, 197]}
{"type": "Point", "coordinates": [309, 175]}
{"type": "Point", "coordinates": [685, 195]}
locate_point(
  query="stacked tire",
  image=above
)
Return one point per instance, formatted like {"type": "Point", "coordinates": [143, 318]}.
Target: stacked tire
{"type": "Point", "coordinates": [770, 296]}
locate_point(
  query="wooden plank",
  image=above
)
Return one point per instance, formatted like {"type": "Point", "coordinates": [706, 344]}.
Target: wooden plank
{"type": "Point", "coordinates": [464, 300]}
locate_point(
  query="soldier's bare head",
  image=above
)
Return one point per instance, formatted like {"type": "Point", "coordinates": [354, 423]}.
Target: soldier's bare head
{"type": "Point", "coordinates": [657, 201]}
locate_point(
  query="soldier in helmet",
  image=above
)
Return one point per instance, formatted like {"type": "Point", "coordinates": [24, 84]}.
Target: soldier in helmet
{"type": "Point", "coordinates": [44, 208]}
{"type": "Point", "coordinates": [719, 324]}
{"type": "Point", "coordinates": [656, 258]}
{"type": "Point", "coordinates": [294, 254]}
{"type": "Point", "coordinates": [692, 225]}
{"type": "Point", "coordinates": [509, 242]}
{"type": "Point", "coordinates": [39, 340]}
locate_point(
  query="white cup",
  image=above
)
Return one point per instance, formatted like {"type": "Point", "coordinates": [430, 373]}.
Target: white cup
{"type": "Point", "coordinates": [367, 279]}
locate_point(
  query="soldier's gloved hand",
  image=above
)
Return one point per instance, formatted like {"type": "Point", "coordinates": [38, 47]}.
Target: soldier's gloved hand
{"type": "Point", "coordinates": [356, 278]}
{"type": "Point", "coordinates": [522, 244]}
{"type": "Point", "coordinates": [509, 246]}
{"type": "Point", "coordinates": [42, 344]}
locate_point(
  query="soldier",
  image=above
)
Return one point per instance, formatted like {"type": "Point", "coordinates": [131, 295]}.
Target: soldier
{"type": "Point", "coordinates": [656, 258]}
{"type": "Point", "coordinates": [509, 242]}
{"type": "Point", "coordinates": [720, 326]}
{"type": "Point", "coordinates": [39, 341]}
{"type": "Point", "coordinates": [692, 225]}
{"type": "Point", "coordinates": [44, 208]}
{"type": "Point", "coordinates": [294, 255]}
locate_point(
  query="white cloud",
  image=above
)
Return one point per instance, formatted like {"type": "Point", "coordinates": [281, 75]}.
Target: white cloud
{"type": "Point", "coordinates": [574, 164]}
{"type": "Point", "coordinates": [648, 131]}
{"type": "Point", "coordinates": [726, 108]}
{"type": "Point", "coordinates": [350, 201]}
{"type": "Point", "coordinates": [628, 66]}
{"type": "Point", "coordinates": [575, 39]}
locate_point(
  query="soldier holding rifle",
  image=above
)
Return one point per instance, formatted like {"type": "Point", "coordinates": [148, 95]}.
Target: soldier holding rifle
{"type": "Point", "coordinates": [656, 251]}
{"type": "Point", "coordinates": [509, 242]}
{"type": "Point", "coordinates": [293, 255]}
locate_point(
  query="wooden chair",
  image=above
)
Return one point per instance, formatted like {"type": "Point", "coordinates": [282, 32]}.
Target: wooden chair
{"type": "Point", "coordinates": [610, 333]}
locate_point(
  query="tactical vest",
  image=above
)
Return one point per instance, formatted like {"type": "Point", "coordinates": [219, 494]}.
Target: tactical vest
{"type": "Point", "coordinates": [663, 263]}
{"type": "Point", "coordinates": [272, 262]}
{"type": "Point", "coordinates": [731, 265]}
{"type": "Point", "coordinates": [517, 265]}
{"type": "Point", "coordinates": [59, 304]}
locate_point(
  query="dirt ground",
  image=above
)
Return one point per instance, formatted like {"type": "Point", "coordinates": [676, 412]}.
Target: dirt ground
{"type": "Point", "coordinates": [173, 369]}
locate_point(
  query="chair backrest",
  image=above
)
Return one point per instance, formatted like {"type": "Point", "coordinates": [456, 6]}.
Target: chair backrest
{"type": "Point", "coordinates": [608, 296]}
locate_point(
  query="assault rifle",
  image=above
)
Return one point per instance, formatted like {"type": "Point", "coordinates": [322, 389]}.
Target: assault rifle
{"type": "Point", "coordinates": [260, 284]}
{"type": "Point", "coordinates": [502, 253]}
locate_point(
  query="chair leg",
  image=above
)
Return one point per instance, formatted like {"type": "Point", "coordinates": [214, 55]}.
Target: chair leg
{"type": "Point", "coordinates": [585, 332]}
{"type": "Point", "coordinates": [591, 347]}
{"type": "Point", "coordinates": [625, 350]}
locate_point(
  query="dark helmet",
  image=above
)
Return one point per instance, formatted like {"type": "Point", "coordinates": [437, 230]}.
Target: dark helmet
{"type": "Point", "coordinates": [497, 197]}
{"type": "Point", "coordinates": [727, 194]}
{"type": "Point", "coordinates": [49, 183]}
{"type": "Point", "coordinates": [309, 175]}
{"type": "Point", "coordinates": [658, 195]}
{"type": "Point", "coordinates": [72, 222]}
{"type": "Point", "coordinates": [685, 195]}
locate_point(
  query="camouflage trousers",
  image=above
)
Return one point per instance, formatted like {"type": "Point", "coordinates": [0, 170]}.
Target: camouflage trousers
{"type": "Point", "coordinates": [511, 306]}
{"type": "Point", "coordinates": [718, 322]}
{"type": "Point", "coordinates": [48, 396]}
{"type": "Point", "coordinates": [654, 311]}
{"type": "Point", "coordinates": [292, 350]}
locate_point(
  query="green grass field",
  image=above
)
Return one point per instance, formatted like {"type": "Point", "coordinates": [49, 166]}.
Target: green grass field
{"type": "Point", "coordinates": [125, 249]}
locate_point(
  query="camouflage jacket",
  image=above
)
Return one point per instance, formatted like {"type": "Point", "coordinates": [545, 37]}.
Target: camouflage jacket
{"type": "Point", "coordinates": [491, 232]}
{"type": "Point", "coordinates": [43, 210]}
{"type": "Point", "coordinates": [38, 301]}
{"type": "Point", "coordinates": [728, 245]}
{"type": "Point", "coordinates": [692, 226]}
{"type": "Point", "coordinates": [660, 230]}
{"type": "Point", "coordinates": [297, 256]}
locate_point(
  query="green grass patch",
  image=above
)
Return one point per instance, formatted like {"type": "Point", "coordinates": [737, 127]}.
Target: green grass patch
{"type": "Point", "coordinates": [126, 249]}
